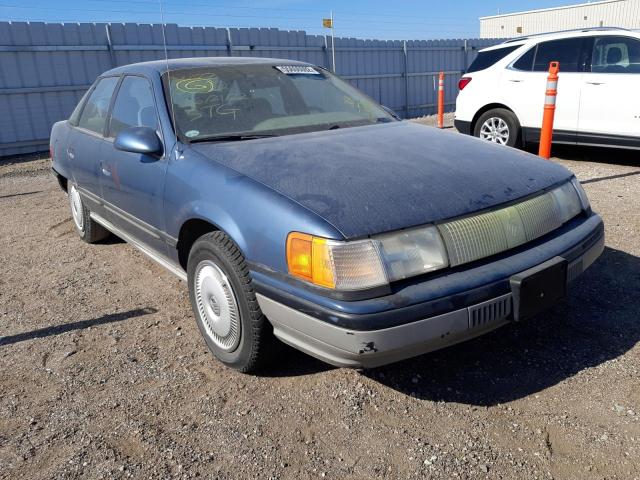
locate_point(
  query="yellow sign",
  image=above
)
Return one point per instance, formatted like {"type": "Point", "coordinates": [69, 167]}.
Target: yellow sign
{"type": "Point", "coordinates": [327, 23]}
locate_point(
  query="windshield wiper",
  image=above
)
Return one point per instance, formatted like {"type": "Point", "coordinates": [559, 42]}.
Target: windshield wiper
{"type": "Point", "coordinates": [233, 137]}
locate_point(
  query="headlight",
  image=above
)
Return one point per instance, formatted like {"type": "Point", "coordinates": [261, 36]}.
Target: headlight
{"type": "Point", "coordinates": [367, 263]}
{"type": "Point", "coordinates": [584, 200]}
{"type": "Point", "coordinates": [412, 252]}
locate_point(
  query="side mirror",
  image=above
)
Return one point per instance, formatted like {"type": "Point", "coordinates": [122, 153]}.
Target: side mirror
{"type": "Point", "coordinates": [391, 112]}
{"type": "Point", "coordinates": [139, 140]}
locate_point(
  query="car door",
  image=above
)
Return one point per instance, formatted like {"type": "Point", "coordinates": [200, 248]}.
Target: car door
{"type": "Point", "coordinates": [610, 96]}
{"type": "Point", "coordinates": [86, 142]}
{"type": "Point", "coordinates": [524, 86]}
{"type": "Point", "coordinates": [133, 183]}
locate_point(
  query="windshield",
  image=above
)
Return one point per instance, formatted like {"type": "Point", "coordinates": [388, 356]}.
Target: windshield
{"type": "Point", "coordinates": [250, 101]}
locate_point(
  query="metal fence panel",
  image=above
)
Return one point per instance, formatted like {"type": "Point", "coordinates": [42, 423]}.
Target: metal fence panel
{"type": "Point", "coordinates": [46, 67]}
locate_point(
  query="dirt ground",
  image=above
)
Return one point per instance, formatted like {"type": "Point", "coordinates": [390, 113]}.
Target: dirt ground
{"type": "Point", "coordinates": [103, 372]}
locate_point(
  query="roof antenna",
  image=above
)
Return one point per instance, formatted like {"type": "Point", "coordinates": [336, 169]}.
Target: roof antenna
{"type": "Point", "coordinates": [166, 59]}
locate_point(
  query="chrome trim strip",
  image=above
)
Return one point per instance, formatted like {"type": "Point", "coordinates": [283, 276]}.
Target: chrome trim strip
{"type": "Point", "coordinates": [136, 222]}
{"type": "Point", "coordinates": [165, 262]}
{"type": "Point", "coordinates": [146, 228]}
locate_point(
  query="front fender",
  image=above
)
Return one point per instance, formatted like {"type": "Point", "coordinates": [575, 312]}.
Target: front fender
{"type": "Point", "coordinates": [257, 218]}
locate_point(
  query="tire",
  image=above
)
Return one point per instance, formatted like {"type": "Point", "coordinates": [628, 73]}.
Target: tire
{"type": "Point", "coordinates": [87, 228]}
{"type": "Point", "coordinates": [500, 126]}
{"type": "Point", "coordinates": [224, 303]}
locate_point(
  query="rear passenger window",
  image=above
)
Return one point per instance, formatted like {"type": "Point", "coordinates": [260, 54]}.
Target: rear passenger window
{"type": "Point", "coordinates": [616, 55]}
{"type": "Point", "coordinates": [94, 113]}
{"type": "Point", "coordinates": [568, 52]}
{"type": "Point", "coordinates": [488, 58]}
{"type": "Point", "coordinates": [134, 106]}
{"type": "Point", "coordinates": [525, 62]}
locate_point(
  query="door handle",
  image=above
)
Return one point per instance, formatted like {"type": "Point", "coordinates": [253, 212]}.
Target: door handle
{"type": "Point", "coordinates": [71, 153]}
{"type": "Point", "coordinates": [595, 83]}
{"type": "Point", "coordinates": [515, 80]}
{"type": "Point", "coordinates": [106, 172]}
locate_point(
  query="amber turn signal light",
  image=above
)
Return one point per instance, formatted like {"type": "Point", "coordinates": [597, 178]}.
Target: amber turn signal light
{"type": "Point", "coordinates": [308, 258]}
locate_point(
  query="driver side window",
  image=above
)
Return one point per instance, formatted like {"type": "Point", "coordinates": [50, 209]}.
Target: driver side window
{"type": "Point", "coordinates": [134, 106]}
{"type": "Point", "coordinates": [94, 113]}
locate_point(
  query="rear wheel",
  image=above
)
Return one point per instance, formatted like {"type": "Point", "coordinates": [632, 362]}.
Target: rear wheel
{"type": "Point", "coordinates": [500, 126]}
{"type": "Point", "coordinates": [224, 303]}
{"type": "Point", "coordinates": [87, 228]}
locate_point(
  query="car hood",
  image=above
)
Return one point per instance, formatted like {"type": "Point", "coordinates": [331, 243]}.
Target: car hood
{"type": "Point", "coordinates": [379, 178]}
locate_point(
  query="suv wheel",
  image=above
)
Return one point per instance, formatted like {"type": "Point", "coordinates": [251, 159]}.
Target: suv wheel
{"type": "Point", "coordinates": [499, 126]}
{"type": "Point", "coordinates": [87, 228]}
{"type": "Point", "coordinates": [224, 303]}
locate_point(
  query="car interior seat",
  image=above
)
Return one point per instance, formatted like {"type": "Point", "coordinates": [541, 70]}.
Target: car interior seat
{"type": "Point", "coordinates": [614, 56]}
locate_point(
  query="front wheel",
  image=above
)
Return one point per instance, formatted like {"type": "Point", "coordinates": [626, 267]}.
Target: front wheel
{"type": "Point", "coordinates": [499, 126]}
{"type": "Point", "coordinates": [224, 303]}
{"type": "Point", "coordinates": [89, 230]}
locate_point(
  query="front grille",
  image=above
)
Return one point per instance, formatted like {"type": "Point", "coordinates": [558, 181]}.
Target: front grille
{"type": "Point", "coordinates": [490, 311]}
{"type": "Point", "coordinates": [489, 233]}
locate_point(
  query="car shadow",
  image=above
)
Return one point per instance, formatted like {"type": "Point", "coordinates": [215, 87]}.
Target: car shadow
{"type": "Point", "coordinates": [583, 153]}
{"type": "Point", "coordinates": [82, 324]}
{"type": "Point", "coordinates": [286, 361]}
{"type": "Point", "coordinates": [596, 323]}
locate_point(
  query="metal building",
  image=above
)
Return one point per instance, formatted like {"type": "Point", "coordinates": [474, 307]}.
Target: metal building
{"type": "Point", "coordinates": [608, 13]}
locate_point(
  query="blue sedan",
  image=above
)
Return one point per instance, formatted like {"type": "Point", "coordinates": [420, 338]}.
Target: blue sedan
{"type": "Point", "coordinates": [293, 205]}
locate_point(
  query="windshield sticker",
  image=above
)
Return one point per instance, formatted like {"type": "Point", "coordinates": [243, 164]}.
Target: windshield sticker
{"type": "Point", "coordinates": [297, 70]}
{"type": "Point", "coordinates": [198, 85]}
{"type": "Point", "coordinates": [192, 133]}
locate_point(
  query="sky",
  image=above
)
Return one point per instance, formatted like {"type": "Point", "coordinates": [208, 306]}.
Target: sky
{"type": "Point", "coordinates": [374, 19]}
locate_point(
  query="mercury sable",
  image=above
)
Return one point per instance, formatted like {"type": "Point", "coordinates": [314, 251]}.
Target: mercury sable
{"type": "Point", "coordinates": [295, 206]}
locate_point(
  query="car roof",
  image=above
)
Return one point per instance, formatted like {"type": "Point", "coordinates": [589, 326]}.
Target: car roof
{"type": "Point", "coordinates": [574, 33]}
{"type": "Point", "coordinates": [161, 66]}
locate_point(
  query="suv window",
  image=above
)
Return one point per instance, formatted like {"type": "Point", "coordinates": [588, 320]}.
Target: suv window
{"type": "Point", "coordinates": [94, 113]}
{"type": "Point", "coordinates": [616, 55]}
{"type": "Point", "coordinates": [525, 62]}
{"type": "Point", "coordinates": [568, 52]}
{"type": "Point", "coordinates": [486, 59]}
{"type": "Point", "coordinates": [134, 106]}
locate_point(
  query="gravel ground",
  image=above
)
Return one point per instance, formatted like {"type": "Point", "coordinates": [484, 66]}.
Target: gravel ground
{"type": "Point", "coordinates": [103, 372]}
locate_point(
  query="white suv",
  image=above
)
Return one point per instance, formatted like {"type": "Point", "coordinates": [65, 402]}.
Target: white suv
{"type": "Point", "coordinates": [502, 93]}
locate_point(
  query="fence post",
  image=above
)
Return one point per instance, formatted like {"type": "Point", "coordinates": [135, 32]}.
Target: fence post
{"type": "Point", "coordinates": [441, 100]}
{"type": "Point", "coordinates": [229, 43]}
{"type": "Point", "coordinates": [406, 78]}
{"type": "Point", "coordinates": [326, 53]}
{"type": "Point", "coordinates": [546, 133]}
{"type": "Point", "coordinates": [107, 29]}
{"type": "Point", "coordinates": [466, 54]}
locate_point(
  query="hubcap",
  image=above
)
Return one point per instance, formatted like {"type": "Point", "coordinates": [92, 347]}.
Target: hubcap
{"type": "Point", "coordinates": [217, 306]}
{"type": "Point", "coordinates": [76, 207]}
{"type": "Point", "coordinates": [495, 130]}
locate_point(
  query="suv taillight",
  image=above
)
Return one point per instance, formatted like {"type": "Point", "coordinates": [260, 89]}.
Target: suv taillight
{"type": "Point", "coordinates": [51, 152]}
{"type": "Point", "coordinates": [463, 82]}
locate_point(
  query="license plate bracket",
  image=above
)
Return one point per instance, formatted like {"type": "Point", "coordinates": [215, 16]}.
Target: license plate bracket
{"type": "Point", "coordinates": [538, 288]}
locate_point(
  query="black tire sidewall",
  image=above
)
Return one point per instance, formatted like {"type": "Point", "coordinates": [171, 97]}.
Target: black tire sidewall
{"type": "Point", "coordinates": [509, 118]}
{"type": "Point", "coordinates": [206, 248]}
{"type": "Point", "coordinates": [91, 231]}
{"type": "Point", "coordinates": [86, 218]}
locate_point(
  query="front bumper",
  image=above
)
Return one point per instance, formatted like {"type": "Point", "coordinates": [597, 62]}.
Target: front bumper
{"type": "Point", "coordinates": [318, 334]}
